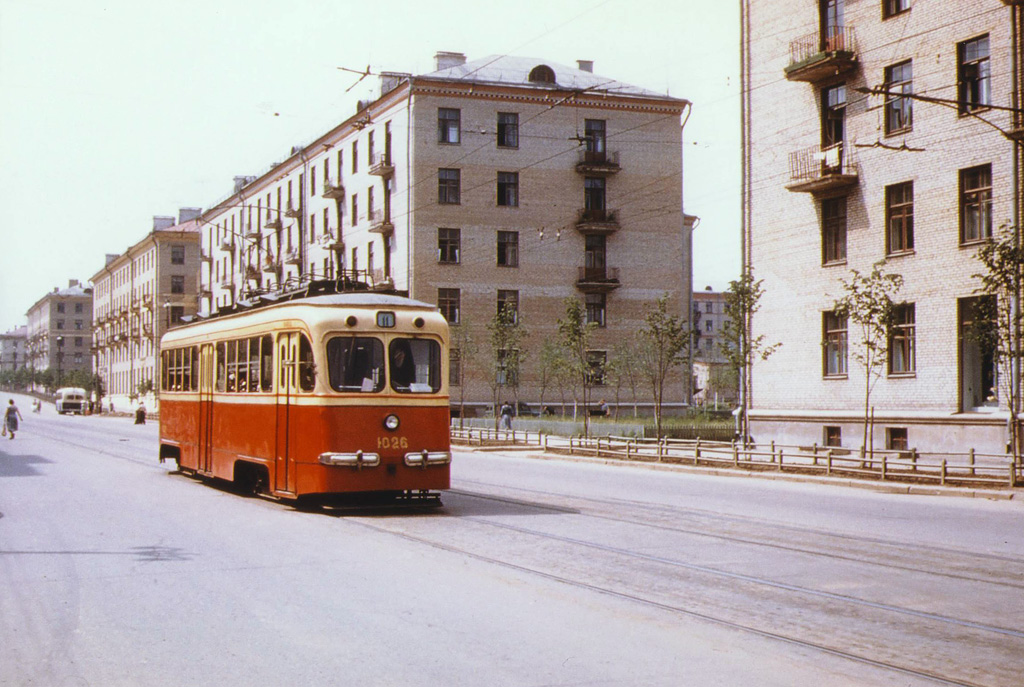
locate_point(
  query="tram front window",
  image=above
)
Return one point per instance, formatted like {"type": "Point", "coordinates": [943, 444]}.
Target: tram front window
{"type": "Point", "coordinates": [415, 366]}
{"type": "Point", "coordinates": [355, 364]}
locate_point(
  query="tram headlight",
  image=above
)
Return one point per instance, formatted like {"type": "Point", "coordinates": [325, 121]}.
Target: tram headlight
{"type": "Point", "coordinates": [391, 423]}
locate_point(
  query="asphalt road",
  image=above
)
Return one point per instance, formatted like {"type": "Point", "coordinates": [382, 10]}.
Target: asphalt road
{"type": "Point", "coordinates": [115, 571]}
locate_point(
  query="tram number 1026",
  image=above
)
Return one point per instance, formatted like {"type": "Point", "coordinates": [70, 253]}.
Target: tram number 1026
{"type": "Point", "coordinates": [392, 442]}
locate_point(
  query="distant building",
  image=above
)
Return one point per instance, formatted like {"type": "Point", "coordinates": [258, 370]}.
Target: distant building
{"type": "Point", "coordinates": [714, 382]}
{"type": "Point", "coordinates": [13, 349]}
{"type": "Point", "coordinates": [500, 181]}
{"type": "Point", "coordinates": [58, 332]}
{"type": "Point", "coordinates": [888, 130]}
{"type": "Point", "coordinates": [137, 296]}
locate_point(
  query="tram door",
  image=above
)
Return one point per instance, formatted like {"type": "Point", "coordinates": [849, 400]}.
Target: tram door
{"type": "Point", "coordinates": [287, 389]}
{"type": "Point", "coordinates": [205, 424]}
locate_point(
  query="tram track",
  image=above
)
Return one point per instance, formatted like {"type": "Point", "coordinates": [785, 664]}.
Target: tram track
{"type": "Point", "coordinates": [673, 608]}
{"type": "Point", "coordinates": [671, 513]}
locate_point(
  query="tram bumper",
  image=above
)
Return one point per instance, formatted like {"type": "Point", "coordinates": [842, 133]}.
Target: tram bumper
{"type": "Point", "coordinates": [426, 458]}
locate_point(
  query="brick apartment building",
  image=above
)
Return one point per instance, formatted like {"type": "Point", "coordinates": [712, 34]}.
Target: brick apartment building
{"type": "Point", "coordinates": [878, 129]}
{"type": "Point", "coordinates": [499, 181]}
{"type": "Point", "coordinates": [58, 331]}
{"type": "Point", "coordinates": [137, 296]}
{"type": "Point", "coordinates": [13, 349]}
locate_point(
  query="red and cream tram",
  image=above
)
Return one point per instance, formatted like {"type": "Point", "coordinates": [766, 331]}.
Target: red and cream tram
{"type": "Point", "coordinates": [335, 394]}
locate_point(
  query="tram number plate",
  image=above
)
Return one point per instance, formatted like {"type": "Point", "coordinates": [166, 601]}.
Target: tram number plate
{"type": "Point", "coordinates": [392, 442]}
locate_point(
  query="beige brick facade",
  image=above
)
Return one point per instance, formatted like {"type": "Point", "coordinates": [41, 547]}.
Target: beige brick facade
{"type": "Point", "coordinates": [796, 180]}
{"type": "Point", "coordinates": [526, 241]}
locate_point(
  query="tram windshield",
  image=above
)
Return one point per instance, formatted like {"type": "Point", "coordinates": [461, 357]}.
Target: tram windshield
{"type": "Point", "coordinates": [356, 364]}
{"type": "Point", "coordinates": [415, 366]}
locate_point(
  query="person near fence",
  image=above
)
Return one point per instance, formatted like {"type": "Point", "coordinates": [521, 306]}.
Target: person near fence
{"type": "Point", "coordinates": [506, 416]}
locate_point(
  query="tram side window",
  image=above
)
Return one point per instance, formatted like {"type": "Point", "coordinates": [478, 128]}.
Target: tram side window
{"type": "Point", "coordinates": [191, 368]}
{"type": "Point", "coordinates": [267, 371]}
{"type": "Point", "coordinates": [253, 373]}
{"type": "Point", "coordinates": [222, 372]}
{"type": "Point", "coordinates": [415, 366]}
{"type": "Point", "coordinates": [165, 371]}
{"type": "Point", "coordinates": [307, 370]}
{"type": "Point", "coordinates": [355, 364]}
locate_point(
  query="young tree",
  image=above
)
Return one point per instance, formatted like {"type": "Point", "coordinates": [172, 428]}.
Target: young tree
{"type": "Point", "coordinates": [868, 302]}
{"type": "Point", "coordinates": [664, 346]}
{"type": "Point", "coordinates": [1002, 316]}
{"type": "Point", "coordinates": [506, 354]}
{"type": "Point", "coordinates": [574, 334]}
{"type": "Point", "coordinates": [626, 370]}
{"type": "Point", "coordinates": [737, 344]}
{"type": "Point", "coordinates": [463, 353]}
{"type": "Point", "coordinates": [552, 369]}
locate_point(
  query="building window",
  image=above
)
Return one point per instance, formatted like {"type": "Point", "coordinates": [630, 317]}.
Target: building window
{"type": "Point", "coordinates": [177, 283]}
{"type": "Point", "coordinates": [899, 85]}
{"type": "Point", "coordinates": [355, 208]}
{"type": "Point", "coordinates": [594, 135]}
{"type": "Point", "coordinates": [899, 218]}
{"type": "Point", "coordinates": [834, 337]}
{"type": "Point", "coordinates": [542, 74]}
{"type": "Point", "coordinates": [976, 203]}
{"type": "Point", "coordinates": [833, 115]}
{"type": "Point", "coordinates": [454, 367]}
{"type": "Point", "coordinates": [177, 313]}
{"type": "Point", "coordinates": [60, 307]}
{"type": "Point", "coordinates": [448, 186]}
{"type": "Point", "coordinates": [508, 189]}
{"type": "Point", "coordinates": [596, 363]}
{"type": "Point", "coordinates": [508, 248]}
{"type": "Point", "coordinates": [509, 299]}
{"type": "Point", "coordinates": [974, 76]}
{"type": "Point", "coordinates": [79, 309]}
{"type": "Point", "coordinates": [896, 439]}
{"type": "Point", "coordinates": [355, 157]}
{"type": "Point", "coordinates": [508, 130]}
{"type": "Point", "coordinates": [594, 194]}
{"type": "Point", "coordinates": [177, 255]}
{"type": "Point", "coordinates": [449, 302]}
{"type": "Point", "coordinates": [449, 246]}
{"type": "Point", "coordinates": [597, 307]}
{"type": "Point", "coordinates": [833, 436]}
{"type": "Point", "coordinates": [449, 128]}
{"type": "Point", "coordinates": [890, 8]}
{"type": "Point", "coordinates": [901, 340]}
{"type": "Point", "coordinates": [833, 230]}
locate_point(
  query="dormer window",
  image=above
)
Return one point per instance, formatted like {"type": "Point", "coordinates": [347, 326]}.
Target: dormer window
{"type": "Point", "coordinates": [542, 74]}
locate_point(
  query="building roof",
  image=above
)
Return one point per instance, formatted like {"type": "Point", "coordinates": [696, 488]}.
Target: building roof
{"type": "Point", "coordinates": [507, 70]}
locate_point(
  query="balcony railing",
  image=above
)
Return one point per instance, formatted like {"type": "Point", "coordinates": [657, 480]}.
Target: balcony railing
{"type": "Point", "coordinates": [333, 190]}
{"type": "Point", "coordinates": [819, 56]}
{"type": "Point", "coordinates": [293, 211]}
{"type": "Point", "coordinates": [274, 223]}
{"type": "Point", "coordinates": [596, 279]}
{"type": "Point", "coordinates": [591, 221]}
{"type": "Point", "coordinates": [820, 170]}
{"type": "Point", "coordinates": [292, 257]}
{"type": "Point", "coordinates": [227, 244]}
{"type": "Point", "coordinates": [380, 223]}
{"type": "Point", "coordinates": [381, 165]}
{"type": "Point", "coordinates": [597, 162]}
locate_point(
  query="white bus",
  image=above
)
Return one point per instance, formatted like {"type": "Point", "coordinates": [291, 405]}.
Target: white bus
{"type": "Point", "coordinates": [70, 399]}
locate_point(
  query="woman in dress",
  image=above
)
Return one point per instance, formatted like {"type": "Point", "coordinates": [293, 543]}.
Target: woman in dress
{"type": "Point", "coordinates": [11, 418]}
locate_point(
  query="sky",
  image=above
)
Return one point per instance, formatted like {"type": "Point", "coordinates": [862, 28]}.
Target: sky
{"type": "Point", "coordinates": [115, 111]}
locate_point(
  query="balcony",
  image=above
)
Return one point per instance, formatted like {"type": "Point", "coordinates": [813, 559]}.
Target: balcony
{"type": "Point", "coordinates": [381, 165]}
{"type": "Point", "coordinates": [333, 190]}
{"type": "Point", "coordinates": [270, 265]}
{"type": "Point", "coordinates": [292, 257]}
{"type": "Point", "coordinates": [227, 244]}
{"type": "Point", "coordinates": [598, 279]}
{"type": "Point", "coordinates": [380, 223]}
{"type": "Point", "coordinates": [814, 58]}
{"type": "Point", "coordinates": [205, 256]}
{"type": "Point", "coordinates": [597, 221]}
{"type": "Point", "coordinates": [597, 163]}
{"type": "Point", "coordinates": [227, 283]}
{"type": "Point", "coordinates": [820, 170]}
{"type": "Point", "coordinates": [293, 211]}
{"type": "Point", "coordinates": [274, 223]}
{"type": "Point", "coordinates": [252, 231]}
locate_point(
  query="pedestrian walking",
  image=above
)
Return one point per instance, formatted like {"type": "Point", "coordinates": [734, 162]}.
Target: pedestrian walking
{"type": "Point", "coordinates": [506, 416]}
{"type": "Point", "coordinates": [140, 414]}
{"type": "Point", "coordinates": [11, 417]}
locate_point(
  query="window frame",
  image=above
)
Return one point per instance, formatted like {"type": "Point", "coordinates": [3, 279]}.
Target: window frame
{"type": "Point", "coordinates": [903, 340]}
{"type": "Point", "coordinates": [833, 230]}
{"type": "Point", "coordinates": [449, 186]}
{"type": "Point", "coordinates": [449, 127]}
{"type": "Point", "coordinates": [449, 246]}
{"type": "Point", "coordinates": [508, 130]}
{"type": "Point", "coordinates": [508, 189]}
{"type": "Point", "coordinates": [894, 8]}
{"type": "Point", "coordinates": [981, 82]}
{"type": "Point", "coordinates": [899, 218]}
{"type": "Point", "coordinates": [449, 302]}
{"type": "Point", "coordinates": [507, 248]}
{"type": "Point", "coordinates": [977, 197]}
{"type": "Point", "coordinates": [835, 345]}
{"type": "Point", "coordinates": [899, 109]}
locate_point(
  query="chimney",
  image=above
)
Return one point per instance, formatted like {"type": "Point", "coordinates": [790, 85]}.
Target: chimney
{"type": "Point", "coordinates": [111, 257]}
{"type": "Point", "coordinates": [161, 222]}
{"type": "Point", "coordinates": [240, 183]}
{"type": "Point", "coordinates": [72, 283]}
{"type": "Point", "coordinates": [447, 60]}
{"type": "Point", "coordinates": [389, 81]}
{"type": "Point", "coordinates": [188, 214]}
{"type": "Point", "coordinates": [586, 65]}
